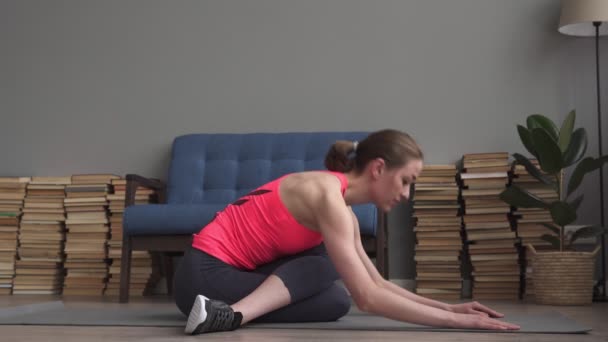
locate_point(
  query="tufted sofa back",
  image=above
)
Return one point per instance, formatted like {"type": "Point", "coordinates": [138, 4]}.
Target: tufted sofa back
{"type": "Point", "coordinates": [220, 168]}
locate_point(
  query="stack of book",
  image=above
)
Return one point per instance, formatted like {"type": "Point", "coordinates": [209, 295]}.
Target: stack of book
{"type": "Point", "coordinates": [491, 243]}
{"type": "Point", "coordinates": [143, 274]}
{"type": "Point", "coordinates": [39, 268]}
{"type": "Point", "coordinates": [437, 227]}
{"type": "Point", "coordinates": [12, 192]}
{"type": "Point", "coordinates": [530, 222]}
{"type": "Point", "coordinates": [87, 234]}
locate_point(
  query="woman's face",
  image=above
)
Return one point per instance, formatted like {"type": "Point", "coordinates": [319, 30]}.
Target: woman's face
{"type": "Point", "coordinates": [393, 185]}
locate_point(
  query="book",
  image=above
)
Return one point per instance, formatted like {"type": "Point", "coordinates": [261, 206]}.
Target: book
{"type": "Point", "coordinates": [485, 175]}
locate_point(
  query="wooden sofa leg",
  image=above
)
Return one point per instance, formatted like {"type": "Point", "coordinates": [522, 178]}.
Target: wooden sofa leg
{"type": "Point", "coordinates": [168, 266]}
{"type": "Point", "coordinates": [382, 245]}
{"type": "Point", "coordinates": [125, 269]}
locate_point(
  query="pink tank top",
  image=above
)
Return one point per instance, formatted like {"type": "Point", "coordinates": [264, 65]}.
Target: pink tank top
{"type": "Point", "coordinates": [257, 229]}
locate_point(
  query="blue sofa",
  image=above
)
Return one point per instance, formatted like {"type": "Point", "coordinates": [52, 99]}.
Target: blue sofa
{"type": "Point", "coordinates": [209, 171]}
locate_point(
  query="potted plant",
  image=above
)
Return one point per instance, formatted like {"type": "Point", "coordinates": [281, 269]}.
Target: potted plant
{"type": "Point", "coordinates": [564, 276]}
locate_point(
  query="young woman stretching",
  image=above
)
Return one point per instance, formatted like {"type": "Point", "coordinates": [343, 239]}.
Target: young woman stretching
{"type": "Point", "coordinates": [274, 254]}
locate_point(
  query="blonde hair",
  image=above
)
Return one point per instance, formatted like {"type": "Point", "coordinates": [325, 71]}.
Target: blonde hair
{"type": "Point", "coordinates": [396, 148]}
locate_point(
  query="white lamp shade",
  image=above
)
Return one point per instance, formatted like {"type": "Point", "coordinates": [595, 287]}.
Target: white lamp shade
{"type": "Point", "coordinates": [578, 16]}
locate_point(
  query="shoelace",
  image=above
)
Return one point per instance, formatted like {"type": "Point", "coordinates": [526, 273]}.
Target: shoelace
{"type": "Point", "coordinates": [224, 316]}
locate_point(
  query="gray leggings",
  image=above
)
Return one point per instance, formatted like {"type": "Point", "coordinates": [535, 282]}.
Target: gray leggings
{"type": "Point", "coordinates": [309, 276]}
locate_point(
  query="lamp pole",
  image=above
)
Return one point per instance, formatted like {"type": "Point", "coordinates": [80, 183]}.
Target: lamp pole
{"type": "Point", "coordinates": [575, 19]}
{"type": "Point", "coordinates": [601, 286]}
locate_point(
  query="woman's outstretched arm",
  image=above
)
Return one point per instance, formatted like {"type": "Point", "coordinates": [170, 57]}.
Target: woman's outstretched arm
{"type": "Point", "coordinates": [472, 307]}
{"type": "Point", "coordinates": [336, 225]}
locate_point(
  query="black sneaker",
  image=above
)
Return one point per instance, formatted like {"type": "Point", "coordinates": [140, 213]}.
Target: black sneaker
{"type": "Point", "coordinates": [211, 315]}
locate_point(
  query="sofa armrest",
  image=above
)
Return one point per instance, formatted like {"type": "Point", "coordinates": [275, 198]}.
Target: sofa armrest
{"type": "Point", "coordinates": [134, 181]}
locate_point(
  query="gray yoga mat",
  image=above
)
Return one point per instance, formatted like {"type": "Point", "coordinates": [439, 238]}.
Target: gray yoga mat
{"type": "Point", "coordinates": [55, 313]}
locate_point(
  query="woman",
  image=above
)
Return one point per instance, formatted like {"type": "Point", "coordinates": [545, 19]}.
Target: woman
{"type": "Point", "coordinates": [270, 255]}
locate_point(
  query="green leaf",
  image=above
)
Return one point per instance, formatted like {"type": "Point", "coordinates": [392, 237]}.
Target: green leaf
{"type": "Point", "coordinates": [526, 138]}
{"type": "Point", "coordinates": [577, 147]}
{"type": "Point", "coordinates": [577, 202]}
{"type": "Point", "coordinates": [589, 231]}
{"type": "Point", "coordinates": [565, 133]}
{"type": "Point", "coordinates": [552, 239]}
{"type": "Point", "coordinates": [549, 154]}
{"type": "Point", "coordinates": [519, 197]}
{"type": "Point", "coordinates": [541, 121]}
{"type": "Point", "coordinates": [552, 227]}
{"type": "Point", "coordinates": [562, 213]}
{"type": "Point", "coordinates": [585, 166]}
{"type": "Point", "coordinates": [532, 169]}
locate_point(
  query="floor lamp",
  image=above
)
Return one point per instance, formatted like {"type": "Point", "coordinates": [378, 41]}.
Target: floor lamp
{"type": "Point", "coordinates": [589, 18]}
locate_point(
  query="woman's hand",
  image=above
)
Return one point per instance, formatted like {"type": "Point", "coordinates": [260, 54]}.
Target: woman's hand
{"type": "Point", "coordinates": [477, 321]}
{"type": "Point", "coordinates": [474, 308]}
{"type": "Point", "coordinates": [477, 316]}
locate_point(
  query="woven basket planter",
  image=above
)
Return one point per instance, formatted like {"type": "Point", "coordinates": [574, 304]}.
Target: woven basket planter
{"type": "Point", "coordinates": [563, 278]}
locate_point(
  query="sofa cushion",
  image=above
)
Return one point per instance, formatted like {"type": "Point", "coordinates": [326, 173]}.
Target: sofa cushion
{"type": "Point", "coordinates": [168, 219]}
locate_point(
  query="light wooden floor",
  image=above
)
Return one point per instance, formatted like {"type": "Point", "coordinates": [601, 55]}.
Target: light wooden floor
{"type": "Point", "coordinates": [594, 316]}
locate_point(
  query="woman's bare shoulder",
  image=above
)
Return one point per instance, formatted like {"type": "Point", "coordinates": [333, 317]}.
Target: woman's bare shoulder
{"type": "Point", "coordinates": [309, 189]}
{"type": "Point", "coordinates": [312, 182]}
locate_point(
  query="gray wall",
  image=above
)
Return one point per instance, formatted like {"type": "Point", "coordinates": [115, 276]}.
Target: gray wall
{"type": "Point", "coordinates": [104, 86]}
